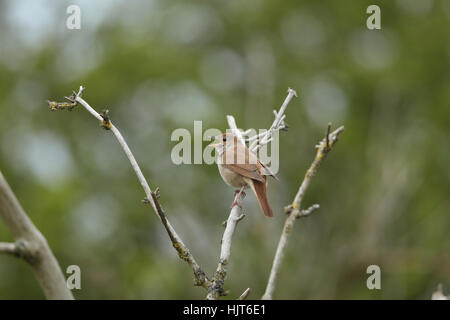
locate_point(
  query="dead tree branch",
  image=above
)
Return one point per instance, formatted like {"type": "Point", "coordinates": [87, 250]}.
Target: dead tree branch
{"type": "Point", "coordinates": [244, 294]}
{"type": "Point", "coordinates": [9, 248]}
{"type": "Point", "coordinates": [31, 245]}
{"type": "Point", "coordinates": [260, 139]}
{"type": "Point", "coordinates": [216, 290]}
{"type": "Point", "coordinates": [200, 278]}
{"type": "Point", "coordinates": [294, 211]}
{"type": "Point", "coordinates": [215, 286]}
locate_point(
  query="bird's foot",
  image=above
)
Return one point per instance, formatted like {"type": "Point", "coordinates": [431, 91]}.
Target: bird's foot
{"type": "Point", "coordinates": [237, 196]}
{"type": "Point", "coordinates": [240, 191]}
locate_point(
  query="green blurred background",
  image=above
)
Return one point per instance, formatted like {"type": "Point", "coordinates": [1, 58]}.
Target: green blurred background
{"type": "Point", "coordinates": [160, 65]}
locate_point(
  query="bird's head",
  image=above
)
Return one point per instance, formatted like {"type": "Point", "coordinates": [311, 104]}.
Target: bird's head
{"type": "Point", "coordinates": [223, 141]}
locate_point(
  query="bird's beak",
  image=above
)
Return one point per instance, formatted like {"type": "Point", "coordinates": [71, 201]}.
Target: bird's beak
{"type": "Point", "coordinates": [213, 144]}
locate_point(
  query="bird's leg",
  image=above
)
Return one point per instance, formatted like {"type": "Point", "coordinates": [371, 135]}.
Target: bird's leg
{"type": "Point", "coordinates": [237, 195]}
{"type": "Point", "coordinates": [239, 191]}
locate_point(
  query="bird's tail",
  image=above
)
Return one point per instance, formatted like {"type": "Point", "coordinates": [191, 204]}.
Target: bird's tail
{"type": "Point", "coordinates": [260, 191]}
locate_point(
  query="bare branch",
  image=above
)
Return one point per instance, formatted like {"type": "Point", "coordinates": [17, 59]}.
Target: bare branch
{"type": "Point", "coordinates": [439, 293]}
{"type": "Point", "coordinates": [244, 295]}
{"type": "Point", "coordinates": [278, 123]}
{"type": "Point", "coordinates": [31, 245]}
{"type": "Point", "coordinates": [307, 212]}
{"type": "Point", "coordinates": [216, 289]}
{"type": "Point", "coordinates": [263, 138]}
{"type": "Point", "coordinates": [234, 128]}
{"type": "Point", "coordinates": [151, 198]}
{"type": "Point", "coordinates": [216, 284]}
{"type": "Point", "coordinates": [9, 248]}
{"type": "Point", "coordinates": [325, 146]}
{"type": "Point", "coordinates": [183, 252]}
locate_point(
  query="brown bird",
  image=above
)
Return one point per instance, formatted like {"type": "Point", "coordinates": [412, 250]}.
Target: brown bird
{"type": "Point", "coordinates": [240, 168]}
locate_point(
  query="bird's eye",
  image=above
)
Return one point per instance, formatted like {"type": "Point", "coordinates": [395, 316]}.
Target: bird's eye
{"type": "Point", "coordinates": [224, 139]}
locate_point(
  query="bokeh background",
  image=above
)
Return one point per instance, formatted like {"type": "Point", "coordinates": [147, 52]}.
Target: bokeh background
{"type": "Point", "coordinates": [159, 65]}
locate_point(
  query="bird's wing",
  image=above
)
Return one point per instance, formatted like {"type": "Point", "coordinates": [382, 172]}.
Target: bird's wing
{"type": "Point", "coordinates": [268, 172]}
{"type": "Point", "coordinates": [247, 170]}
{"type": "Point", "coordinates": [249, 166]}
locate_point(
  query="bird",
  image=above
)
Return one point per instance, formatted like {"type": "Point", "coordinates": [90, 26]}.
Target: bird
{"type": "Point", "coordinates": [240, 168]}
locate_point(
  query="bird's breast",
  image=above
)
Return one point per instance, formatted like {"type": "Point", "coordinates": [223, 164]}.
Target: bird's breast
{"type": "Point", "coordinates": [231, 178]}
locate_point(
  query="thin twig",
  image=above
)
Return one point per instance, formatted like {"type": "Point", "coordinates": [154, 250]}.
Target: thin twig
{"type": "Point", "coordinates": [278, 123]}
{"type": "Point", "coordinates": [244, 295]}
{"type": "Point", "coordinates": [8, 247]}
{"type": "Point", "coordinates": [327, 136]}
{"type": "Point", "coordinates": [293, 210]}
{"type": "Point", "coordinates": [182, 250]}
{"type": "Point", "coordinates": [263, 138]}
{"type": "Point", "coordinates": [234, 128]}
{"type": "Point", "coordinates": [307, 212]}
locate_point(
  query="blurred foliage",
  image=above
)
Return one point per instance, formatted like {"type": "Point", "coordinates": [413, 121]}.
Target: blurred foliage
{"type": "Point", "coordinates": [159, 65]}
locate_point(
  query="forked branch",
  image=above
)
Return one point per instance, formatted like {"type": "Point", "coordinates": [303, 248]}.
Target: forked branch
{"type": "Point", "coordinates": [200, 278]}
{"type": "Point", "coordinates": [293, 210]}
{"type": "Point", "coordinates": [216, 290]}
{"type": "Point", "coordinates": [31, 245]}
{"type": "Point", "coordinates": [217, 287]}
